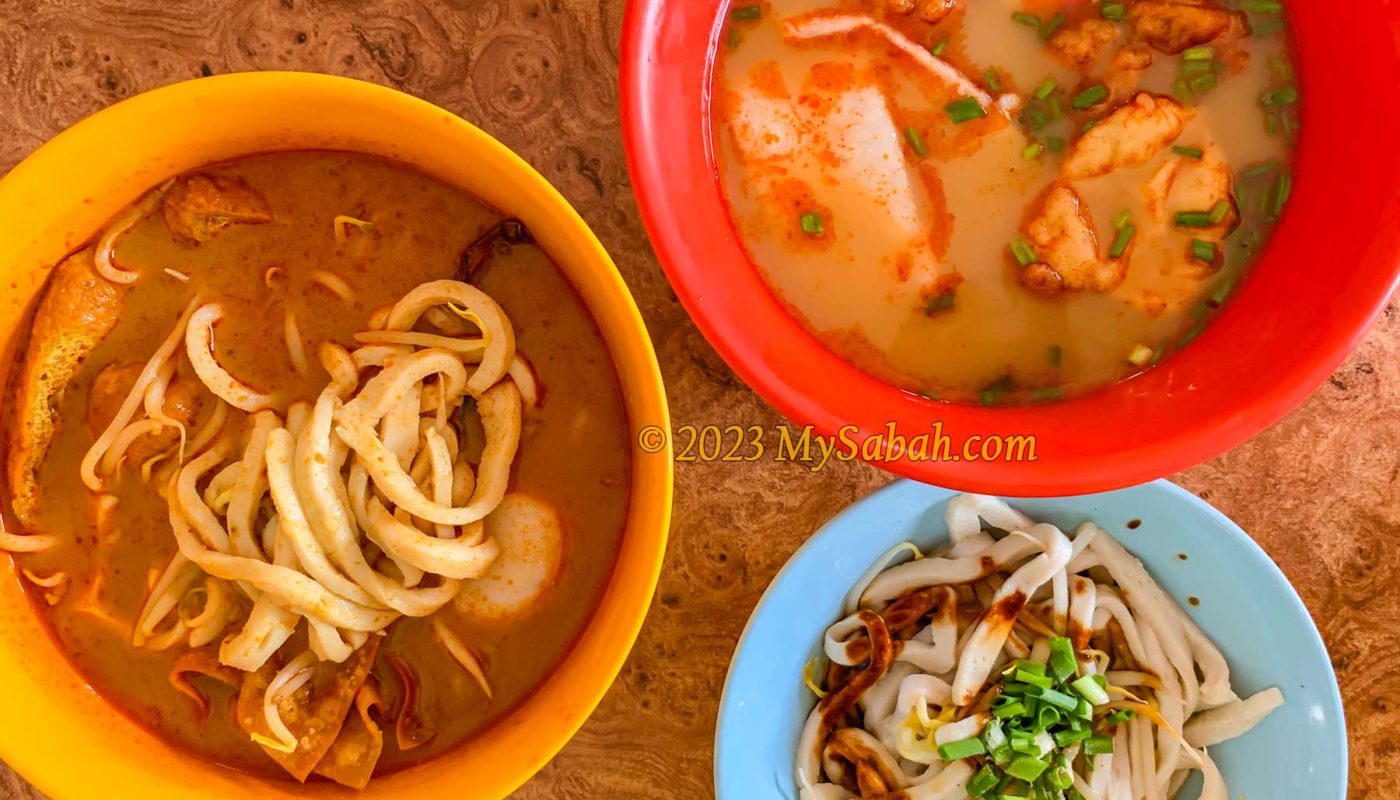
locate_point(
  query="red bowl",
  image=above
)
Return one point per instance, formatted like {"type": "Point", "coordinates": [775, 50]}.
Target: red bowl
{"type": "Point", "coordinates": [1329, 270]}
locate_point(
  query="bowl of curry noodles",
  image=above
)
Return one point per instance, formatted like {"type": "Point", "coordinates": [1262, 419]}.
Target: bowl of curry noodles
{"type": "Point", "coordinates": [319, 462]}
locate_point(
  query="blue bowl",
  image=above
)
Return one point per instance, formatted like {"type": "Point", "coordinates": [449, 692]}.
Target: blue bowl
{"type": "Point", "coordinates": [1245, 604]}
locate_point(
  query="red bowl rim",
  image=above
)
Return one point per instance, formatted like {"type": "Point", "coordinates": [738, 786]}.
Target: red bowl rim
{"type": "Point", "coordinates": [1157, 423]}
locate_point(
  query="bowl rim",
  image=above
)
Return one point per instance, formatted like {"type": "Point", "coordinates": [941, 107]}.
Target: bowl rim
{"type": "Point", "coordinates": [624, 601]}
{"type": "Point", "coordinates": [666, 80]}
{"type": "Point", "coordinates": [1177, 494]}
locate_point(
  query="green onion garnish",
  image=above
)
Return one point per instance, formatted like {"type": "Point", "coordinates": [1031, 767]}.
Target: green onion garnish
{"type": "Point", "coordinates": [1262, 6]}
{"type": "Point", "coordinates": [1193, 219]}
{"type": "Point", "coordinates": [1199, 54]}
{"type": "Point", "coordinates": [1053, 26]}
{"type": "Point", "coordinates": [1190, 152]}
{"type": "Point", "coordinates": [939, 47]}
{"type": "Point", "coordinates": [1091, 687]}
{"type": "Point", "coordinates": [1116, 12]}
{"type": "Point", "coordinates": [1029, 20]}
{"type": "Point", "coordinates": [942, 302]}
{"type": "Point", "coordinates": [1288, 95]}
{"type": "Point", "coordinates": [1032, 151]}
{"type": "Point", "coordinates": [1015, 708]}
{"type": "Point", "coordinates": [1098, 745]}
{"type": "Point", "coordinates": [1027, 768]}
{"type": "Point", "coordinates": [992, 79]}
{"type": "Point", "coordinates": [1056, 144]}
{"type": "Point", "coordinates": [1045, 394]}
{"type": "Point", "coordinates": [1119, 717]}
{"type": "Point", "coordinates": [1062, 660]}
{"type": "Point", "coordinates": [1090, 97]}
{"type": "Point", "coordinates": [748, 13]}
{"type": "Point", "coordinates": [991, 395]}
{"type": "Point", "coordinates": [1068, 737]}
{"type": "Point", "coordinates": [1283, 189]}
{"type": "Point", "coordinates": [1046, 89]}
{"type": "Point", "coordinates": [812, 224]}
{"type": "Point", "coordinates": [1040, 681]}
{"type": "Point", "coordinates": [965, 110]}
{"type": "Point", "coordinates": [916, 141]}
{"type": "Point", "coordinates": [1024, 253]}
{"type": "Point", "coordinates": [1220, 212]}
{"type": "Point", "coordinates": [1122, 240]}
{"type": "Point", "coordinates": [1054, 697]}
{"type": "Point", "coordinates": [1088, 126]}
{"type": "Point", "coordinates": [1203, 251]}
{"type": "Point", "coordinates": [963, 748]}
{"type": "Point", "coordinates": [983, 782]}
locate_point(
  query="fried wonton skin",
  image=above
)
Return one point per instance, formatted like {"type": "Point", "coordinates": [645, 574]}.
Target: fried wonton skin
{"type": "Point", "coordinates": [317, 721]}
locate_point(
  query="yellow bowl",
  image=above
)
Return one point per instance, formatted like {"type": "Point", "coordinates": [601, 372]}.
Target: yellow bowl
{"type": "Point", "coordinates": [63, 737]}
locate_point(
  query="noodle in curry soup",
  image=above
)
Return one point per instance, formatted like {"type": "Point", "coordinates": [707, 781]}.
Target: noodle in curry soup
{"type": "Point", "coordinates": [318, 464]}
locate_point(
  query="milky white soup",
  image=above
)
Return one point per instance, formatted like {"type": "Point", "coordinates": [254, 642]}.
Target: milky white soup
{"type": "Point", "coordinates": [1004, 201]}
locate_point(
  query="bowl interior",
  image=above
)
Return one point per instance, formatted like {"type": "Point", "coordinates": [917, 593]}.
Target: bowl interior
{"type": "Point", "coordinates": [1246, 606]}
{"type": "Point", "coordinates": [58, 197]}
{"type": "Point", "coordinates": [1330, 268]}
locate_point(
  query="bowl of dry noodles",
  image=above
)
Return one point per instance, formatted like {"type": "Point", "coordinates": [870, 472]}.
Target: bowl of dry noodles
{"type": "Point", "coordinates": [931, 646]}
{"type": "Point", "coordinates": [319, 463]}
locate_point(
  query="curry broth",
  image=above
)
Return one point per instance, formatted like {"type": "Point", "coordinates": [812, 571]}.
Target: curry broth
{"type": "Point", "coordinates": [574, 450]}
{"type": "Point", "coordinates": [850, 285]}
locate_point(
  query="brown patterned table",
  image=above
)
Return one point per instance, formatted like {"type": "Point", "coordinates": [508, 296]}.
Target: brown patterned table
{"type": "Point", "coordinates": [1320, 491]}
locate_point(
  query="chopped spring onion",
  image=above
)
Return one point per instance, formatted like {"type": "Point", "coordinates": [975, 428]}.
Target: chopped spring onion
{"type": "Point", "coordinates": [812, 224]}
{"type": "Point", "coordinates": [1090, 97]}
{"type": "Point", "coordinates": [1029, 20]}
{"type": "Point", "coordinates": [1091, 687]}
{"type": "Point", "coordinates": [1053, 25]}
{"type": "Point", "coordinates": [1027, 768]}
{"type": "Point", "coordinates": [1120, 716]}
{"type": "Point", "coordinates": [1046, 89]}
{"type": "Point", "coordinates": [1263, 6]}
{"type": "Point", "coordinates": [965, 110]}
{"type": "Point", "coordinates": [1192, 334]}
{"type": "Point", "coordinates": [1056, 144]}
{"type": "Point", "coordinates": [1288, 95]}
{"type": "Point", "coordinates": [1204, 251]}
{"type": "Point", "coordinates": [1113, 11]}
{"type": "Point", "coordinates": [1032, 151]}
{"type": "Point", "coordinates": [1139, 357]}
{"type": "Point", "coordinates": [992, 78]}
{"type": "Point", "coordinates": [748, 13]}
{"type": "Point", "coordinates": [1024, 253]}
{"type": "Point", "coordinates": [1045, 394]}
{"type": "Point", "coordinates": [1066, 738]}
{"type": "Point", "coordinates": [1098, 745]}
{"type": "Point", "coordinates": [1054, 697]}
{"type": "Point", "coordinates": [1088, 126]}
{"type": "Point", "coordinates": [1199, 54]}
{"type": "Point", "coordinates": [1062, 660]}
{"type": "Point", "coordinates": [1190, 152]}
{"type": "Point", "coordinates": [1122, 218]}
{"type": "Point", "coordinates": [1041, 681]}
{"type": "Point", "coordinates": [1014, 708]}
{"type": "Point", "coordinates": [1220, 212]}
{"type": "Point", "coordinates": [994, 391]}
{"type": "Point", "coordinates": [1283, 189]}
{"type": "Point", "coordinates": [939, 47]}
{"type": "Point", "coordinates": [983, 782]}
{"type": "Point", "coordinates": [1193, 219]}
{"type": "Point", "coordinates": [942, 302]}
{"type": "Point", "coordinates": [963, 748]}
{"type": "Point", "coordinates": [916, 141]}
{"type": "Point", "coordinates": [1122, 240]}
